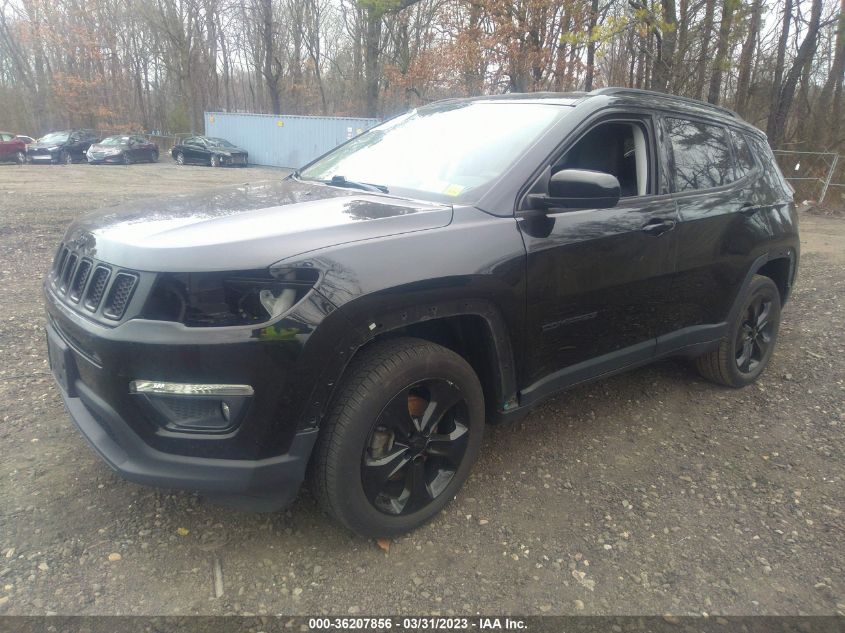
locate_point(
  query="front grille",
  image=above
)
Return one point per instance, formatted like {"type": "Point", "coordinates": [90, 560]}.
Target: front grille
{"type": "Point", "coordinates": [95, 288]}
{"type": "Point", "coordinates": [119, 295]}
{"type": "Point", "coordinates": [98, 286]}
{"type": "Point", "coordinates": [79, 280]}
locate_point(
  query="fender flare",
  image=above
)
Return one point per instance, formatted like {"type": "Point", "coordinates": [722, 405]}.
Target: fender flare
{"type": "Point", "coordinates": [762, 260]}
{"type": "Point", "coordinates": [363, 331]}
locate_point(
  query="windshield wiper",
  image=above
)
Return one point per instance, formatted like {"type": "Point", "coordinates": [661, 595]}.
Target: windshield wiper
{"type": "Point", "coordinates": [341, 181]}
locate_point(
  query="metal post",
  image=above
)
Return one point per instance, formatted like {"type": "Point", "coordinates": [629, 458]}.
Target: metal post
{"type": "Point", "coordinates": [829, 177]}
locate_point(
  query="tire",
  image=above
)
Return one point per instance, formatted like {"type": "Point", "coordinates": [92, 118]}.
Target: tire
{"type": "Point", "coordinates": [20, 158]}
{"type": "Point", "coordinates": [65, 158]}
{"type": "Point", "coordinates": [363, 436]}
{"type": "Point", "coordinates": [744, 354]}
{"type": "Point", "coordinates": [127, 159]}
{"type": "Point", "coordinates": [154, 157]}
{"type": "Point", "coordinates": [179, 158]}
{"type": "Point", "coordinates": [214, 161]}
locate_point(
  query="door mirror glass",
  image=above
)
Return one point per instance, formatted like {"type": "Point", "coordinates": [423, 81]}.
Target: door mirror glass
{"type": "Point", "coordinates": [583, 189]}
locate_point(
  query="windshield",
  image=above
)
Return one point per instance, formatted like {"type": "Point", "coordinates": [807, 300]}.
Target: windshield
{"type": "Point", "coordinates": [115, 140]}
{"type": "Point", "coordinates": [54, 137]}
{"type": "Point", "coordinates": [218, 142]}
{"type": "Point", "coordinates": [443, 152]}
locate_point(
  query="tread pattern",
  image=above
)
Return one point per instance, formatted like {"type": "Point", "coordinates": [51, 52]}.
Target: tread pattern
{"type": "Point", "coordinates": [366, 373]}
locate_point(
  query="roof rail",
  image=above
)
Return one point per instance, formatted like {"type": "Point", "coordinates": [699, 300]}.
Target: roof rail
{"type": "Point", "coordinates": [664, 95]}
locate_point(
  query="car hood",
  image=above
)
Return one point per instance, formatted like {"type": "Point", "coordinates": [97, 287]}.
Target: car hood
{"type": "Point", "coordinates": [245, 227]}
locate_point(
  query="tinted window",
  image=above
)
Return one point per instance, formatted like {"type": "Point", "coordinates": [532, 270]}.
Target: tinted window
{"type": "Point", "coordinates": [702, 155]}
{"type": "Point", "coordinates": [744, 159]}
{"type": "Point", "coordinates": [5, 137]}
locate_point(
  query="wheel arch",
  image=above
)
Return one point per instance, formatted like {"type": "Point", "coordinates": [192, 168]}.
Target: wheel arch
{"type": "Point", "coordinates": [472, 328]}
{"type": "Point", "coordinates": [779, 266]}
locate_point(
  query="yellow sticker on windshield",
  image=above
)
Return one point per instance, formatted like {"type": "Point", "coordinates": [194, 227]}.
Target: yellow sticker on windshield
{"type": "Point", "coordinates": [454, 190]}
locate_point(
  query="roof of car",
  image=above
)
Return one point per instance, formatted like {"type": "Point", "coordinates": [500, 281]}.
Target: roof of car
{"type": "Point", "coordinates": [633, 95]}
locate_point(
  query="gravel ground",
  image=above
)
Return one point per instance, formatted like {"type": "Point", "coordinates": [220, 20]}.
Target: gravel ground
{"type": "Point", "coordinates": [650, 492]}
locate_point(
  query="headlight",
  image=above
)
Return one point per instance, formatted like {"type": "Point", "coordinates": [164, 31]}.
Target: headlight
{"type": "Point", "coordinates": [221, 299]}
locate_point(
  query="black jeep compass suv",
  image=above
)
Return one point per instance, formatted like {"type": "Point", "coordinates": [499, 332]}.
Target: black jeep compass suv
{"type": "Point", "coordinates": [358, 322]}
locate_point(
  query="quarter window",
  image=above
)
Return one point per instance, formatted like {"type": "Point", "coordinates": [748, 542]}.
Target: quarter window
{"type": "Point", "coordinates": [702, 155]}
{"type": "Point", "coordinates": [744, 159]}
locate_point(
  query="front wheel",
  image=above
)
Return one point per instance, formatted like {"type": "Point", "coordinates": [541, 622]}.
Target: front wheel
{"type": "Point", "coordinates": [127, 159]}
{"type": "Point", "coordinates": [747, 349]}
{"type": "Point", "coordinates": [400, 439]}
{"type": "Point", "coordinates": [66, 158]}
{"type": "Point", "coordinates": [20, 158]}
{"type": "Point", "coordinates": [180, 158]}
{"type": "Point", "coordinates": [214, 161]}
{"type": "Point", "coordinates": [154, 157]}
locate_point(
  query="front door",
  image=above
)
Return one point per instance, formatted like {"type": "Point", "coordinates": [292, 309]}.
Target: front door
{"type": "Point", "coordinates": [600, 280]}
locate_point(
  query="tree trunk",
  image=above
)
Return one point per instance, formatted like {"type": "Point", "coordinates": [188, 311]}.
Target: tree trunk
{"type": "Point", "coordinates": [746, 57]}
{"type": "Point", "coordinates": [777, 78]}
{"type": "Point", "coordinates": [803, 57]}
{"type": "Point", "coordinates": [707, 35]}
{"type": "Point", "coordinates": [662, 74]}
{"type": "Point", "coordinates": [591, 45]}
{"type": "Point", "coordinates": [833, 84]}
{"type": "Point", "coordinates": [721, 52]}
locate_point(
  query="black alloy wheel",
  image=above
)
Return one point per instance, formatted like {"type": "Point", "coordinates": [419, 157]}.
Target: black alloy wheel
{"type": "Point", "coordinates": [416, 447]}
{"type": "Point", "coordinates": [127, 160]}
{"type": "Point", "coordinates": [180, 158]}
{"type": "Point", "coordinates": [745, 352]}
{"type": "Point", "coordinates": [754, 335]}
{"type": "Point", "coordinates": [400, 438]}
{"type": "Point", "coordinates": [154, 156]}
{"type": "Point", "coordinates": [20, 158]}
{"type": "Point", "coordinates": [65, 157]}
{"type": "Point", "coordinates": [214, 161]}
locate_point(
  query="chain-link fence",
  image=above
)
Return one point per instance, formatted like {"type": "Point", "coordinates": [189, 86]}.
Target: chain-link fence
{"type": "Point", "coordinates": [816, 176]}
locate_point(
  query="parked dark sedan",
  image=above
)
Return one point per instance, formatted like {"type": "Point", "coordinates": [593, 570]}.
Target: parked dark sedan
{"type": "Point", "coordinates": [208, 150]}
{"type": "Point", "coordinates": [67, 146]}
{"type": "Point", "coordinates": [11, 148]}
{"type": "Point", "coordinates": [122, 149]}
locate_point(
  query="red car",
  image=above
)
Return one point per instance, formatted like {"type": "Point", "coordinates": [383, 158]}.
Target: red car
{"type": "Point", "coordinates": [12, 149]}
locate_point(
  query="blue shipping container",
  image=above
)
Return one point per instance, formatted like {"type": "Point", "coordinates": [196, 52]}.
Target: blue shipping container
{"type": "Point", "coordinates": [283, 141]}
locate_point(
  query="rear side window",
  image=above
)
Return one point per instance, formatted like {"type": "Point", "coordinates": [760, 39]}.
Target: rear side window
{"type": "Point", "coordinates": [702, 155]}
{"type": "Point", "coordinates": [744, 159]}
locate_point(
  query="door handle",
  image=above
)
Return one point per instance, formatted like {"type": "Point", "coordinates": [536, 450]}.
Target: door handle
{"type": "Point", "coordinates": [658, 226]}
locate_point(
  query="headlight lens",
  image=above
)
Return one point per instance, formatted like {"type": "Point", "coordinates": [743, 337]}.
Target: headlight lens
{"type": "Point", "coordinates": [221, 299]}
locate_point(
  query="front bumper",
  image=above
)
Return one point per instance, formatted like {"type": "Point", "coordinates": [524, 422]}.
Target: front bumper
{"type": "Point", "coordinates": [261, 484]}
{"type": "Point", "coordinates": [42, 157]}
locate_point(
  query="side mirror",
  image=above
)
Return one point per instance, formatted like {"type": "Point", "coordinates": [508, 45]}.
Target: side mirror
{"type": "Point", "coordinates": [578, 189]}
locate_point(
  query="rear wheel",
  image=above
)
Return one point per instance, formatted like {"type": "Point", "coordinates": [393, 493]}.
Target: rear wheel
{"type": "Point", "coordinates": [400, 439]}
{"type": "Point", "coordinates": [180, 158]}
{"type": "Point", "coordinates": [20, 158]}
{"type": "Point", "coordinates": [743, 355]}
{"type": "Point", "coordinates": [154, 156]}
{"type": "Point", "coordinates": [127, 159]}
{"type": "Point", "coordinates": [214, 161]}
{"type": "Point", "coordinates": [65, 157]}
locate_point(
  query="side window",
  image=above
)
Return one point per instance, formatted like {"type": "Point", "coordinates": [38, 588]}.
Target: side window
{"type": "Point", "coordinates": [702, 155]}
{"type": "Point", "coordinates": [5, 137]}
{"type": "Point", "coordinates": [744, 159]}
{"type": "Point", "coordinates": [619, 148]}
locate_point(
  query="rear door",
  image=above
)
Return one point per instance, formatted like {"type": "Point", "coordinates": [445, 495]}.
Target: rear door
{"type": "Point", "coordinates": [599, 280]}
{"type": "Point", "coordinates": [721, 228]}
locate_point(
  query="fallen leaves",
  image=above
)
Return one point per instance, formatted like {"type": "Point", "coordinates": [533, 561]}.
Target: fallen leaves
{"type": "Point", "coordinates": [383, 544]}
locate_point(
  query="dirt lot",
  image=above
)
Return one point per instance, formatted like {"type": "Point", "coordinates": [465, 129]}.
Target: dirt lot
{"type": "Point", "coordinates": [651, 492]}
